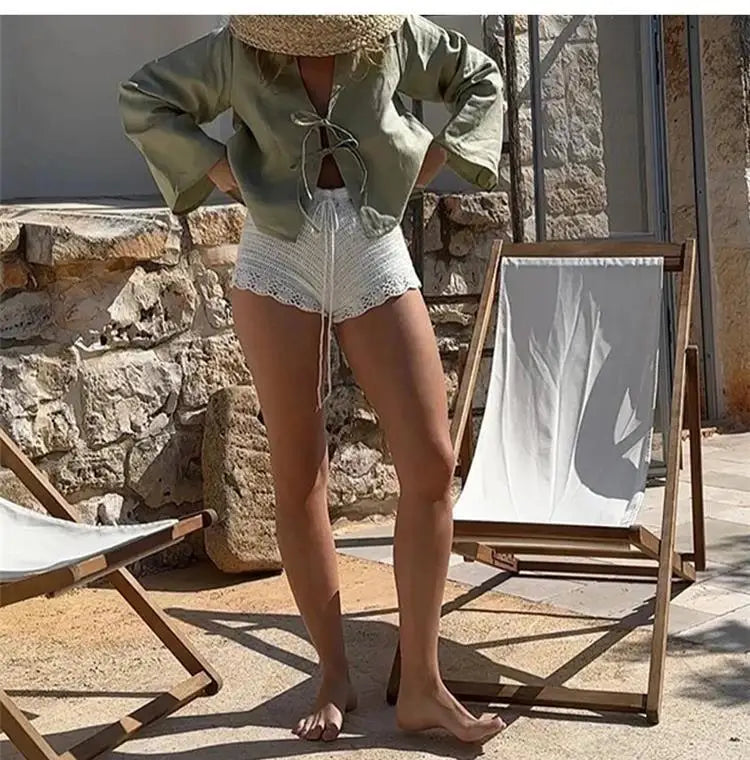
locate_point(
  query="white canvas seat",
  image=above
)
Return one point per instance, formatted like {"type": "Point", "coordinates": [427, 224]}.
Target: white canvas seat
{"type": "Point", "coordinates": [566, 431]}
{"type": "Point", "coordinates": [32, 543]}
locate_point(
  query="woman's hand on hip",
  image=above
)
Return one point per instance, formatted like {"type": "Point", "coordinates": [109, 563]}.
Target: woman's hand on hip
{"type": "Point", "coordinates": [433, 162]}
{"type": "Point", "coordinates": [222, 176]}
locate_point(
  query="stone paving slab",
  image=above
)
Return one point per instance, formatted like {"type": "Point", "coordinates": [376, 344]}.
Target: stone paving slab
{"type": "Point", "coordinates": [723, 633]}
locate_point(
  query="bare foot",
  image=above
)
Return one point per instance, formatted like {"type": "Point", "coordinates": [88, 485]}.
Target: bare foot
{"type": "Point", "coordinates": [336, 697]}
{"type": "Point", "coordinates": [419, 710]}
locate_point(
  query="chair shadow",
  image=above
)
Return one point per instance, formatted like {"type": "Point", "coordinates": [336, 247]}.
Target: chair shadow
{"type": "Point", "coordinates": [371, 727]}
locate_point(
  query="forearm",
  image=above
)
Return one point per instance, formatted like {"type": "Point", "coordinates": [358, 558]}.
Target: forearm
{"type": "Point", "coordinates": [433, 163]}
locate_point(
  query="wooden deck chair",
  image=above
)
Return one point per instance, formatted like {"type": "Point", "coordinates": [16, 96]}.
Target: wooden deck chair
{"type": "Point", "coordinates": [563, 451]}
{"type": "Point", "coordinates": [47, 554]}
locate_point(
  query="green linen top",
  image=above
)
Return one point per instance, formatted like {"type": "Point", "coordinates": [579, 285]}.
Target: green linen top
{"type": "Point", "coordinates": [277, 147]}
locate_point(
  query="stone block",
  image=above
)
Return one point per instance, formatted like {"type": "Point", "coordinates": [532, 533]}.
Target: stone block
{"type": "Point", "coordinates": [237, 484]}
{"type": "Point", "coordinates": [580, 226]}
{"type": "Point", "coordinates": [34, 404]}
{"type": "Point", "coordinates": [119, 309]}
{"type": "Point", "coordinates": [123, 392]}
{"type": "Point", "coordinates": [459, 275]}
{"type": "Point", "coordinates": [575, 189]}
{"type": "Point", "coordinates": [208, 283]}
{"type": "Point", "coordinates": [57, 238]}
{"type": "Point", "coordinates": [52, 428]}
{"type": "Point", "coordinates": [25, 315]}
{"type": "Point", "coordinates": [208, 365]}
{"type": "Point", "coordinates": [556, 133]}
{"type": "Point", "coordinates": [210, 226]}
{"type": "Point", "coordinates": [88, 472]}
{"type": "Point", "coordinates": [360, 474]}
{"type": "Point", "coordinates": [481, 210]}
{"type": "Point", "coordinates": [10, 235]}
{"type": "Point", "coordinates": [567, 28]}
{"type": "Point", "coordinates": [14, 273]}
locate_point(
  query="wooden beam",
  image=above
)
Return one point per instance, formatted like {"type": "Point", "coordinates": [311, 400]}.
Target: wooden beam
{"type": "Point", "coordinates": [669, 516]}
{"type": "Point", "coordinates": [129, 726]}
{"type": "Point", "coordinates": [548, 696]}
{"type": "Point", "coordinates": [672, 253]}
{"type": "Point", "coordinates": [478, 337]}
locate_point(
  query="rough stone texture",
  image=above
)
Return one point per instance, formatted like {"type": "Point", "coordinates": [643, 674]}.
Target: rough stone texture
{"type": "Point", "coordinates": [575, 189]}
{"type": "Point", "coordinates": [108, 509]}
{"type": "Point", "coordinates": [35, 405]}
{"type": "Point", "coordinates": [166, 467]}
{"type": "Point", "coordinates": [571, 125]}
{"type": "Point", "coordinates": [360, 475]}
{"type": "Point", "coordinates": [477, 210]}
{"type": "Point", "coordinates": [726, 63]}
{"type": "Point", "coordinates": [84, 472]}
{"type": "Point", "coordinates": [14, 272]}
{"type": "Point", "coordinates": [10, 235]}
{"type": "Point", "coordinates": [123, 309]}
{"type": "Point", "coordinates": [208, 365]}
{"type": "Point", "coordinates": [237, 484]}
{"type": "Point", "coordinates": [25, 315]}
{"type": "Point", "coordinates": [13, 490]}
{"type": "Point", "coordinates": [125, 393]}
{"type": "Point", "coordinates": [433, 235]}
{"type": "Point", "coordinates": [216, 305]}
{"type": "Point", "coordinates": [210, 226]}
{"type": "Point", "coordinates": [56, 238]}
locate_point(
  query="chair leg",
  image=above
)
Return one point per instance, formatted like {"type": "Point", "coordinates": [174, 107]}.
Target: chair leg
{"type": "Point", "coordinates": [19, 729]}
{"type": "Point", "coordinates": [394, 679]}
{"type": "Point", "coordinates": [163, 628]}
{"type": "Point", "coordinates": [693, 419]}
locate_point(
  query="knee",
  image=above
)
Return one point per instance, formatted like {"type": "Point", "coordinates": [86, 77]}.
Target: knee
{"type": "Point", "coordinates": [429, 476]}
{"type": "Point", "coordinates": [301, 487]}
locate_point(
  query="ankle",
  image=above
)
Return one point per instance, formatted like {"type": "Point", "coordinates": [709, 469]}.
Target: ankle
{"type": "Point", "coordinates": [335, 673]}
{"type": "Point", "coordinates": [422, 681]}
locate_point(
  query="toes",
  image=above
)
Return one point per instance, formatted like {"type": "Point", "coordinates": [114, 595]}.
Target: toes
{"type": "Point", "coordinates": [316, 730]}
{"type": "Point", "coordinates": [307, 724]}
{"type": "Point", "coordinates": [299, 728]}
{"type": "Point", "coordinates": [331, 731]}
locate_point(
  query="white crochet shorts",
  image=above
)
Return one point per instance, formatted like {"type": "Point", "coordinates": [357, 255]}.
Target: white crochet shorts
{"type": "Point", "coordinates": [335, 269]}
{"type": "Point", "coordinates": [332, 267]}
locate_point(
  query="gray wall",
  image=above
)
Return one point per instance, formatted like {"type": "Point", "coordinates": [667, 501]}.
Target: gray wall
{"type": "Point", "coordinates": [60, 135]}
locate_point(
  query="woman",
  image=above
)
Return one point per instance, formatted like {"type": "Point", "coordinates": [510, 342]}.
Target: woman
{"type": "Point", "coordinates": [325, 156]}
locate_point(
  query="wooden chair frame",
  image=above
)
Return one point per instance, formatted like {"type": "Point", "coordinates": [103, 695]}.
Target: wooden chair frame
{"type": "Point", "coordinates": [500, 544]}
{"type": "Point", "coordinates": [202, 680]}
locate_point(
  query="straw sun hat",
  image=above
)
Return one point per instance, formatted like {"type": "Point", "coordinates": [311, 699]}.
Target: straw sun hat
{"type": "Point", "coordinates": [317, 36]}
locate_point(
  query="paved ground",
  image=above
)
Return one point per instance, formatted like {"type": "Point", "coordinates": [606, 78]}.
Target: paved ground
{"type": "Point", "coordinates": [80, 660]}
{"type": "Point", "coordinates": [716, 609]}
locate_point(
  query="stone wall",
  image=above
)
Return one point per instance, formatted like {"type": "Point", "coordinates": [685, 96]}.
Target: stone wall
{"type": "Point", "coordinates": [726, 84]}
{"type": "Point", "coordinates": [116, 329]}
{"type": "Point", "coordinates": [572, 124]}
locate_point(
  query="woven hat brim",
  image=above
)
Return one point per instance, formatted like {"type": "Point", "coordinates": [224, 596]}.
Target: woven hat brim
{"type": "Point", "coordinates": [315, 36]}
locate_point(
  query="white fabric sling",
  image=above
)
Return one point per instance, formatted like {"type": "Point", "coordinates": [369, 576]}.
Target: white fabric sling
{"type": "Point", "coordinates": [566, 435]}
{"type": "Point", "coordinates": [33, 543]}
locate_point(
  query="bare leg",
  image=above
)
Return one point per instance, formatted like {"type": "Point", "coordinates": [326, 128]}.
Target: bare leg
{"type": "Point", "coordinates": [393, 353]}
{"type": "Point", "coordinates": [281, 347]}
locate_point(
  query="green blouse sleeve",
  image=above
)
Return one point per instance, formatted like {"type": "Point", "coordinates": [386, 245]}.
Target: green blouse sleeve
{"type": "Point", "coordinates": [440, 65]}
{"type": "Point", "coordinates": [161, 107]}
